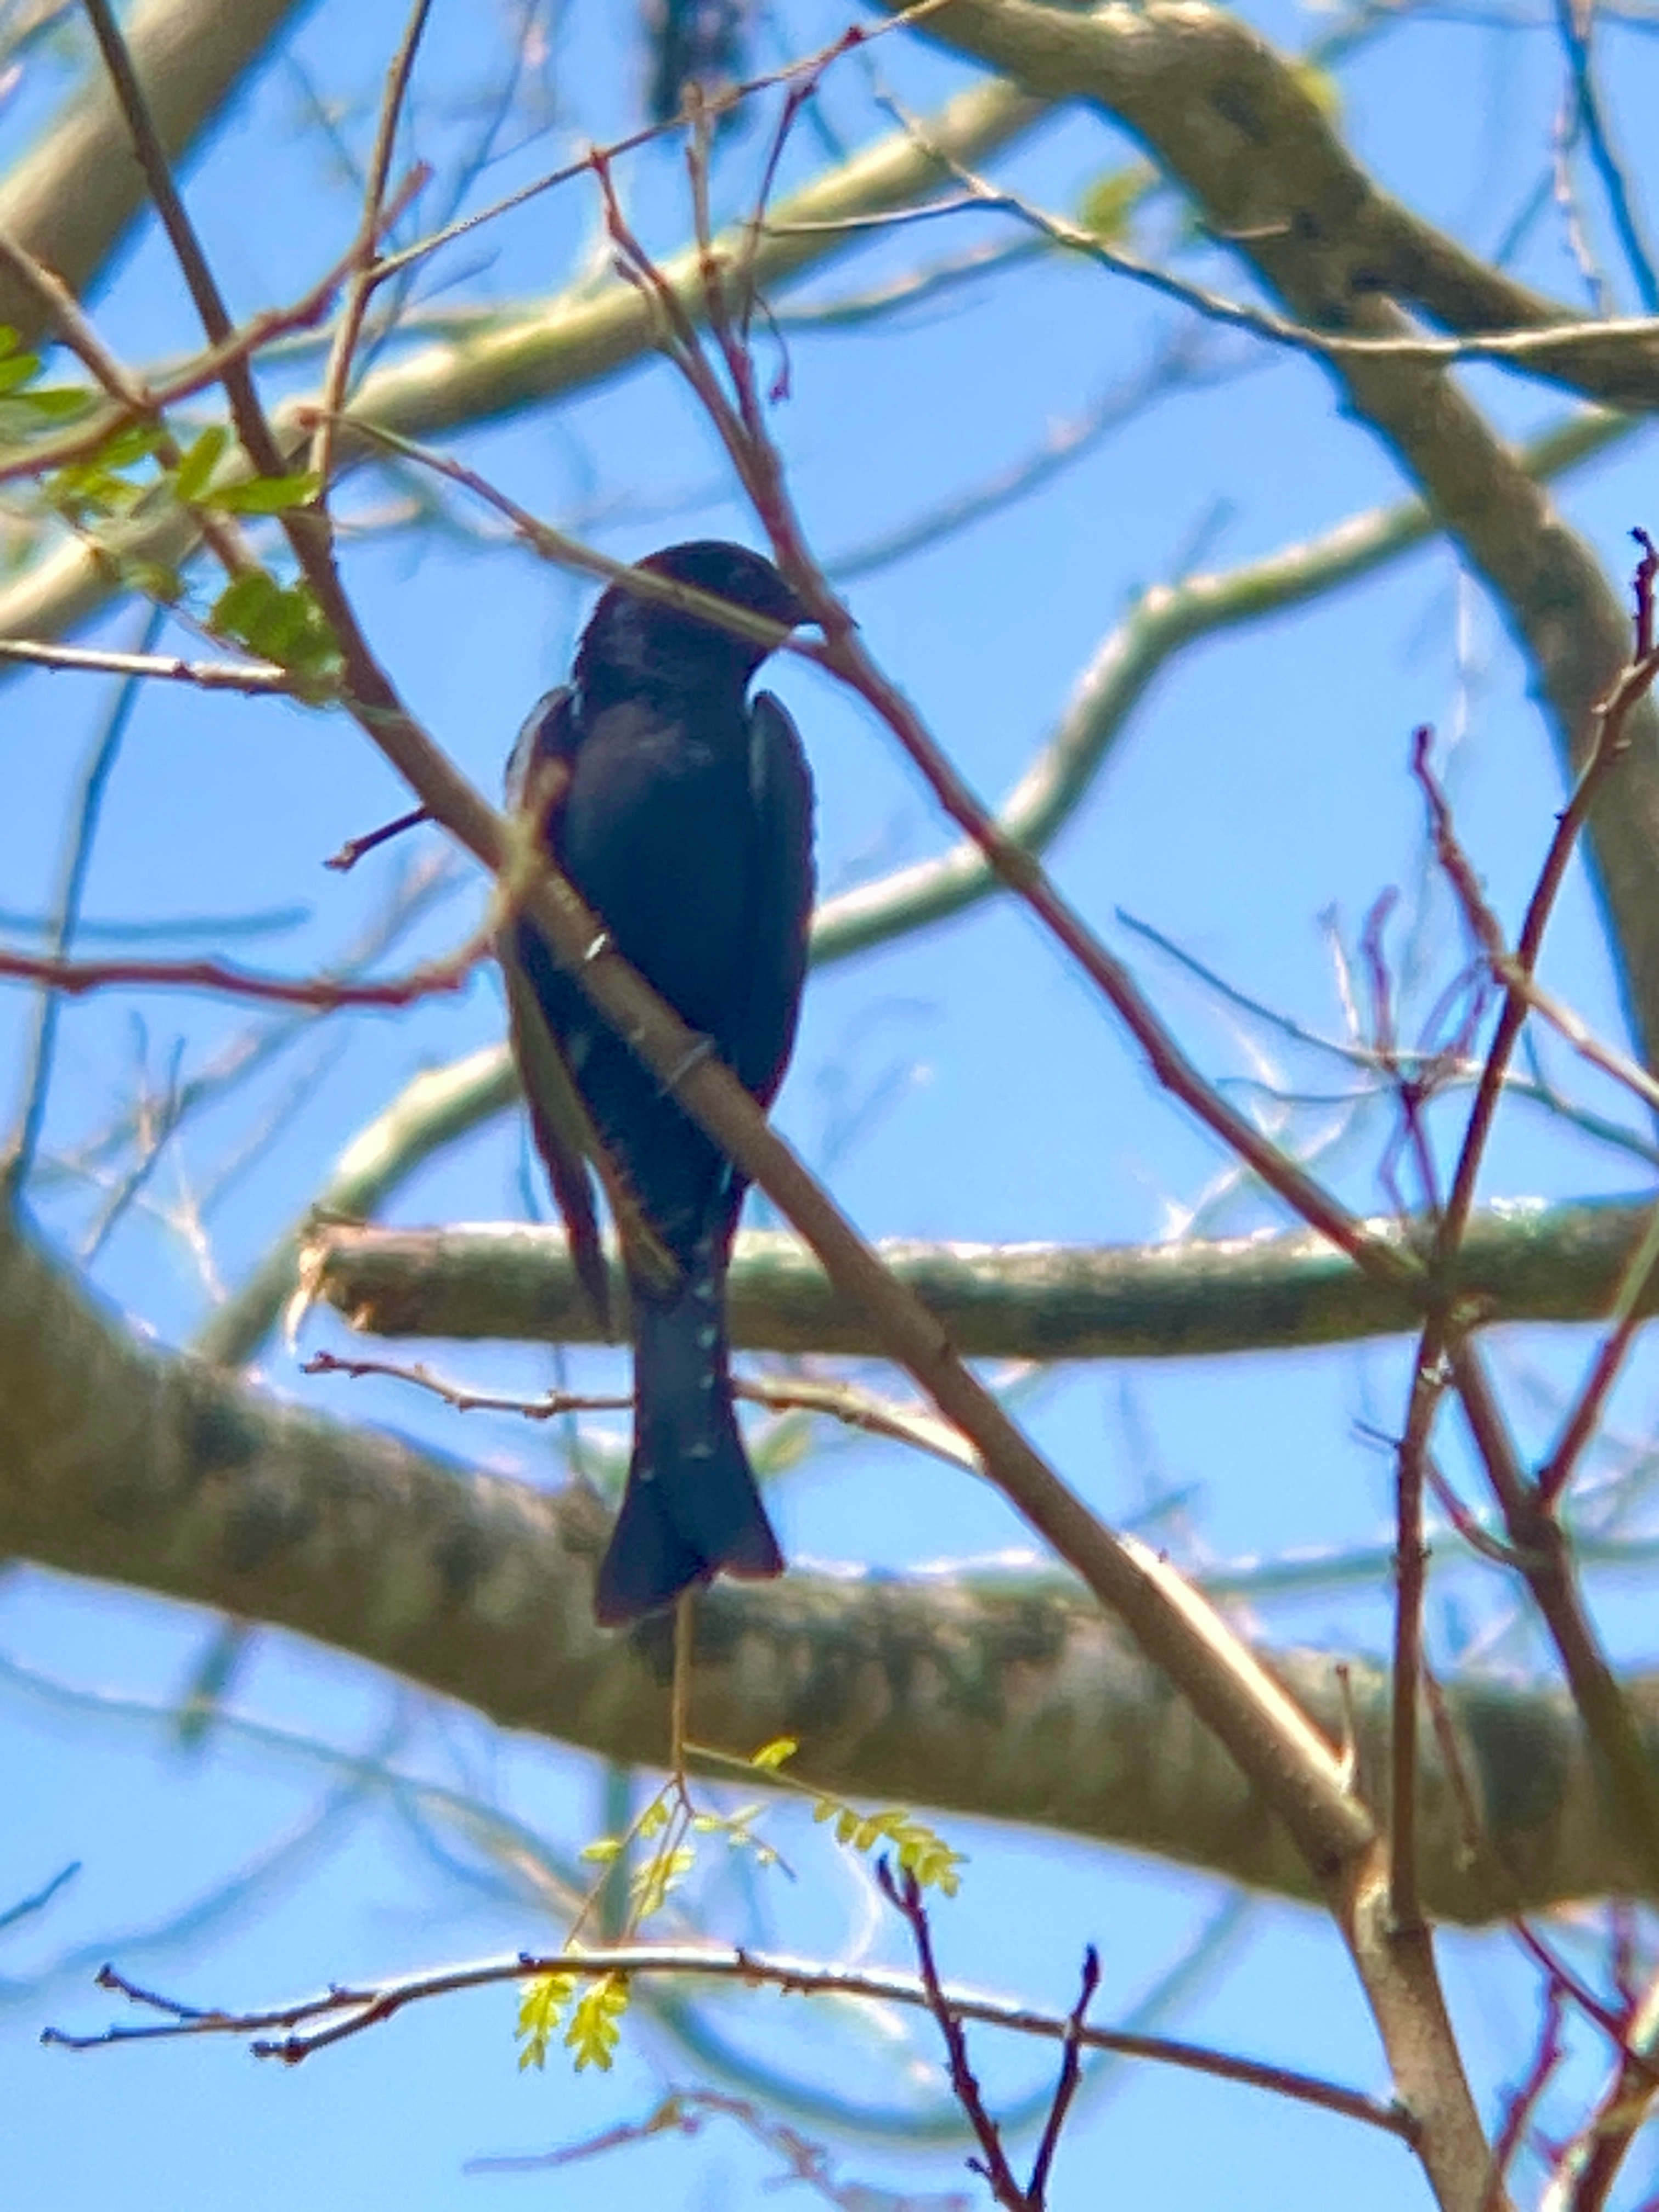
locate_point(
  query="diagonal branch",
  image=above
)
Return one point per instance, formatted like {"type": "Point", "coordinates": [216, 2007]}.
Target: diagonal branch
{"type": "Point", "coordinates": [1223, 112]}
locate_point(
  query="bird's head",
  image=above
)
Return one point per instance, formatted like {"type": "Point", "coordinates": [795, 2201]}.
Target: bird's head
{"type": "Point", "coordinates": [634, 644]}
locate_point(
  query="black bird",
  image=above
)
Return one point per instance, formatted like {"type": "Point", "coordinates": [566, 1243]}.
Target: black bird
{"type": "Point", "coordinates": [682, 811]}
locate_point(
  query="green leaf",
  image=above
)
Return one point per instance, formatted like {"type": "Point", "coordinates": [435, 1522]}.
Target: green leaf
{"type": "Point", "coordinates": [18, 369]}
{"type": "Point", "coordinates": [266, 494]}
{"type": "Point", "coordinates": [654, 1882]}
{"type": "Point", "coordinates": [771, 1756]}
{"type": "Point", "coordinates": [195, 470]}
{"type": "Point", "coordinates": [156, 580]}
{"type": "Point", "coordinates": [56, 402]}
{"type": "Point", "coordinates": [285, 625]}
{"type": "Point", "coordinates": [603, 1850]}
{"type": "Point", "coordinates": [245, 603]}
{"type": "Point", "coordinates": [132, 442]}
{"type": "Point", "coordinates": [784, 1443]}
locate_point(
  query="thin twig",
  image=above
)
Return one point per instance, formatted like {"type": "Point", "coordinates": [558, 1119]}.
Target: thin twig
{"type": "Point", "coordinates": [1575, 25]}
{"type": "Point", "coordinates": [278, 2028]}
{"type": "Point", "coordinates": [715, 104]}
{"type": "Point", "coordinates": [1518, 345]}
{"type": "Point", "coordinates": [856, 1409]}
{"type": "Point", "coordinates": [1523, 2101]}
{"type": "Point", "coordinates": [1584, 1416]}
{"type": "Point", "coordinates": [321, 993]}
{"type": "Point", "coordinates": [904, 1895]}
{"type": "Point", "coordinates": [100, 767]}
{"type": "Point", "coordinates": [253, 678]}
{"type": "Point", "coordinates": [26, 1907]}
{"type": "Point", "coordinates": [1070, 2076]}
{"type": "Point", "coordinates": [360, 285]}
{"type": "Point", "coordinates": [355, 849]}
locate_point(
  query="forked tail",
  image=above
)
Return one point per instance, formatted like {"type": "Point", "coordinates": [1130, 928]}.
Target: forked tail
{"type": "Point", "coordinates": [691, 1510]}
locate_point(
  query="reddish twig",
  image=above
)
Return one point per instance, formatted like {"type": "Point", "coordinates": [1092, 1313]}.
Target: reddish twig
{"type": "Point", "coordinates": [147, 400]}
{"type": "Point", "coordinates": [1614, 2024]}
{"type": "Point", "coordinates": [1591, 2162]}
{"type": "Point", "coordinates": [1631, 684]}
{"type": "Point", "coordinates": [1070, 2073]}
{"type": "Point", "coordinates": [1583, 1417]}
{"type": "Point", "coordinates": [322, 994]}
{"type": "Point", "coordinates": [355, 849]}
{"type": "Point", "coordinates": [1411, 1577]}
{"type": "Point", "coordinates": [1523, 2102]}
{"type": "Point", "coordinates": [1533, 1533]}
{"type": "Point", "coordinates": [904, 1894]}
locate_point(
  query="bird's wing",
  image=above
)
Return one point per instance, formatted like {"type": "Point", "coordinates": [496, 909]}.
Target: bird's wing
{"type": "Point", "coordinates": [544, 1005]}
{"type": "Point", "coordinates": [781, 792]}
{"type": "Point", "coordinates": [558, 1119]}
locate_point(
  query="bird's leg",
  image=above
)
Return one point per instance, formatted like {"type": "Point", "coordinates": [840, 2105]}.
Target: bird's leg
{"type": "Point", "coordinates": [680, 1697]}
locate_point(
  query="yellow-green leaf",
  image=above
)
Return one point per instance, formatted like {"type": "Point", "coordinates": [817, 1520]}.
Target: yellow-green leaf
{"type": "Point", "coordinates": [195, 470]}
{"type": "Point", "coordinates": [1108, 203]}
{"type": "Point", "coordinates": [18, 369]}
{"type": "Point", "coordinates": [1321, 87]}
{"type": "Point", "coordinates": [541, 2008]}
{"type": "Point", "coordinates": [771, 1756]}
{"type": "Point", "coordinates": [595, 2025]}
{"type": "Point", "coordinates": [265, 494]}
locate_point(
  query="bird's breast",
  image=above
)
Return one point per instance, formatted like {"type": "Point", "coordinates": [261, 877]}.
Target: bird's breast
{"type": "Point", "coordinates": [657, 833]}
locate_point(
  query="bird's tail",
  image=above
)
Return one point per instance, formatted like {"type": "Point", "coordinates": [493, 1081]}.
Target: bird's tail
{"type": "Point", "coordinates": [691, 1508]}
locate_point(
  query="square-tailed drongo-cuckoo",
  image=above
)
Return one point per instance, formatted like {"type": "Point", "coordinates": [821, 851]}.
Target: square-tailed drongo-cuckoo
{"type": "Point", "coordinates": [682, 811]}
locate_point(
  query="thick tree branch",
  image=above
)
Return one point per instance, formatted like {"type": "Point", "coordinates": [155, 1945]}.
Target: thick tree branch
{"type": "Point", "coordinates": [71, 200]}
{"type": "Point", "coordinates": [160, 1472]}
{"type": "Point", "coordinates": [1178, 1300]}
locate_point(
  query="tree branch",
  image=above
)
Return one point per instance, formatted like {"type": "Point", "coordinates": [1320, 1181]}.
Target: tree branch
{"type": "Point", "coordinates": [1225, 114]}
{"type": "Point", "coordinates": [1191, 1298]}
{"type": "Point", "coordinates": [160, 1472]}
{"type": "Point", "coordinates": [71, 200]}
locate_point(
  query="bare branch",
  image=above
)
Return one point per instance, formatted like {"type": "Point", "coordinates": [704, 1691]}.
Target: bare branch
{"type": "Point", "coordinates": [313, 2023]}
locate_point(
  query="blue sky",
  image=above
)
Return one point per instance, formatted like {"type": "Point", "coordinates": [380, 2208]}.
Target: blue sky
{"type": "Point", "coordinates": [962, 1083]}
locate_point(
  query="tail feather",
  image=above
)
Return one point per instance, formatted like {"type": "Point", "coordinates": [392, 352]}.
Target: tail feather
{"type": "Point", "coordinates": [691, 1508]}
